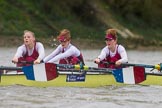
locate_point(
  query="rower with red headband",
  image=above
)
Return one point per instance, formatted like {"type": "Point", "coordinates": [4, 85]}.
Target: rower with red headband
{"type": "Point", "coordinates": [112, 52]}
{"type": "Point", "coordinates": [65, 53]}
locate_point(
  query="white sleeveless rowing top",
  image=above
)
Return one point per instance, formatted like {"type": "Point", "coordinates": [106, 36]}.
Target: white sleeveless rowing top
{"type": "Point", "coordinates": [21, 51]}
{"type": "Point", "coordinates": [57, 54]}
{"type": "Point", "coordinates": [121, 50]}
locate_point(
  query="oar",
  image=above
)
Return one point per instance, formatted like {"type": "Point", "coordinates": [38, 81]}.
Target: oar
{"type": "Point", "coordinates": [73, 71]}
{"type": "Point", "coordinates": [81, 67]}
{"type": "Point", "coordinates": [49, 71]}
{"type": "Point", "coordinates": [136, 75]}
{"type": "Point", "coordinates": [39, 72]}
{"type": "Point", "coordinates": [7, 69]}
{"type": "Point", "coordinates": [77, 67]}
{"type": "Point", "coordinates": [157, 66]}
{"type": "Point", "coordinates": [120, 75]}
{"type": "Point", "coordinates": [25, 62]}
{"type": "Point", "coordinates": [4, 68]}
{"type": "Point", "coordinates": [153, 73]}
{"type": "Point", "coordinates": [130, 75]}
{"type": "Point", "coordinates": [10, 68]}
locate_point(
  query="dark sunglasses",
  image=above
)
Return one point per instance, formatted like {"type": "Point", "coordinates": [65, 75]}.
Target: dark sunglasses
{"type": "Point", "coordinates": [108, 39]}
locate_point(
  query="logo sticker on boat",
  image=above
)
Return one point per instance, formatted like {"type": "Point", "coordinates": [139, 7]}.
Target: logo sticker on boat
{"type": "Point", "coordinates": [75, 78]}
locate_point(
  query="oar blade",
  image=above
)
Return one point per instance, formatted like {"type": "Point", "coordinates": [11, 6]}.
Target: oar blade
{"type": "Point", "coordinates": [134, 75]}
{"type": "Point", "coordinates": [29, 72]}
{"type": "Point", "coordinates": [41, 72]}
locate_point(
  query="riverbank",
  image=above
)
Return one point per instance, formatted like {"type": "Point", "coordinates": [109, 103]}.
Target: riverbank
{"type": "Point", "coordinates": [14, 41]}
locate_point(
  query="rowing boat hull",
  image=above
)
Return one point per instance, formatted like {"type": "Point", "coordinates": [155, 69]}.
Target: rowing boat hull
{"type": "Point", "coordinates": [91, 81]}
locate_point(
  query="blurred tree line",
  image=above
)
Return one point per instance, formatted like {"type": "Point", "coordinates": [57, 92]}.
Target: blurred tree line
{"type": "Point", "coordinates": [47, 17]}
{"type": "Point", "coordinates": [149, 11]}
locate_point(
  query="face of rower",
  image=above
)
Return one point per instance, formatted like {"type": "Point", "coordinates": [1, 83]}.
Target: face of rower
{"type": "Point", "coordinates": [64, 43]}
{"type": "Point", "coordinates": [29, 39]}
{"type": "Point", "coordinates": [111, 43]}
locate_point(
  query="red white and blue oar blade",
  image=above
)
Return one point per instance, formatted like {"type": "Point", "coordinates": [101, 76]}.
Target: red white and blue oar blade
{"type": "Point", "coordinates": [41, 72]}
{"type": "Point", "coordinates": [130, 75]}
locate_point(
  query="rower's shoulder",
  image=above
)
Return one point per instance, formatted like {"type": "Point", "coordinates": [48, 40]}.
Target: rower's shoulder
{"type": "Point", "coordinates": [75, 48]}
{"type": "Point", "coordinates": [121, 46]}
{"type": "Point", "coordinates": [39, 43]}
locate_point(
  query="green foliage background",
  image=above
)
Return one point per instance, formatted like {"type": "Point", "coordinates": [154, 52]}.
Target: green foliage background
{"type": "Point", "coordinates": [47, 17]}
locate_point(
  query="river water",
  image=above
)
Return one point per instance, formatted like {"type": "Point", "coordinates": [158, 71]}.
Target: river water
{"type": "Point", "coordinates": [129, 96]}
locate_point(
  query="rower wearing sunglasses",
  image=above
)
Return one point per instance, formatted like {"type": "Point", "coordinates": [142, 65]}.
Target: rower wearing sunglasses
{"type": "Point", "coordinates": [112, 55]}
{"type": "Point", "coordinates": [65, 53]}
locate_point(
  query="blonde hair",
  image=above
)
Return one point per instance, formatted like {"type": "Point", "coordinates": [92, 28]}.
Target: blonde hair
{"type": "Point", "coordinates": [65, 33]}
{"type": "Point", "coordinates": [25, 31]}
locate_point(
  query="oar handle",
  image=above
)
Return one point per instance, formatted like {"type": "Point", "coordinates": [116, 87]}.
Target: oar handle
{"type": "Point", "coordinates": [91, 70]}
{"type": "Point", "coordinates": [67, 66]}
{"type": "Point", "coordinates": [158, 66]}
{"type": "Point", "coordinates": [79, 67]}
{"type": "Point", "coordinates": [104, 62]}
{"type": "Point", "coordinates": [108, 63]}
{"type": "Point", "coordinates": [10, 68]}
{"type": "Point", "coordinates": [29, 62]}
{"type": "Point", "coordinates": [26, 62]}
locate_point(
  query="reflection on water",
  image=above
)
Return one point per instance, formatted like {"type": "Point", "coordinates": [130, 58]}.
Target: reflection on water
{"type": "Point", "coordinates": [129, 96]}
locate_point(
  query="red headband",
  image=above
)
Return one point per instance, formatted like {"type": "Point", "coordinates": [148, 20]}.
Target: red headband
{"type": "Point", "coordinates": [62, 38]}
{"type": "Point", "coordinates": [110, 36]}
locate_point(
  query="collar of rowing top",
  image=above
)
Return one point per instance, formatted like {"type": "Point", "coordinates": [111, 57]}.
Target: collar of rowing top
{"type": "Point", "coordinates": [66, 47]}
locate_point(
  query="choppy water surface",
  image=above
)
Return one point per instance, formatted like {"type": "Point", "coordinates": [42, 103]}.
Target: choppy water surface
{"type": "Point", "coordinates": [129, 96]}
